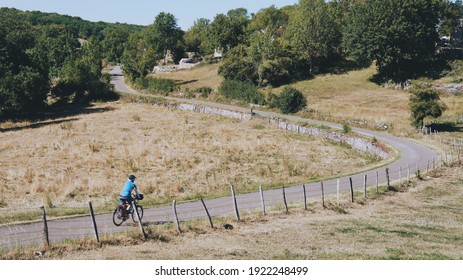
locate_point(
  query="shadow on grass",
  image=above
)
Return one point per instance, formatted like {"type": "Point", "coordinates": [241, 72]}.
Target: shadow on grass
{"type": "Point", "coordinates": [179, 83]}
{"type": "Point", "coordinates": [54, 116]}
{"type": "Point", "coordinates": [446, 127]}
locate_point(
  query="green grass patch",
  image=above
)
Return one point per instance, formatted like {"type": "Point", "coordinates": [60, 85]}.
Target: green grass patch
{"type": "Point", "coordinates": [395, 254]}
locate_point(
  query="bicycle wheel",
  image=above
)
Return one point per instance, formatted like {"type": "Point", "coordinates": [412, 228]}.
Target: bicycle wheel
{"type": "Point", "coordinates": [117, 219]}
{"type": "Point", "coordinates": [140, 213]}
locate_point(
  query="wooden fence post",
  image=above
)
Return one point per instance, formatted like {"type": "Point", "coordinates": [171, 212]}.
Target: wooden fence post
{"type": "Point", "coordinates": [400, 176]}
{"type": "Point", "coordinates": [408, 173]}
{"type": "Point", "coordinates": [235, 204]}
{"type": "Point", "coordinates": [351, 190]}
{"type": "Point", "coordinates": [305, 196]}
{"type": "Point", "coordinates": [177, 223]}
{"type": "Point", "coordinates": [140, 225]}
{"type": "Point", "coordinates": [207, 212]}
{"type": "Point", "coordinates": [387, 178]}
{"type": "Point", "coordinates": [337, 191]}
{"type": "Point", "coordinates": [323, 195]}
{"type": "Point", "coordinates": [365, 186]}
{"type": "Point", "coordinates": [459, 154]}
{"type": "Point", "coordinates": [262, 199]}
{"type": "Point", "coordinates": [95, 229]}
{"type": "Point", "coordinates": [284, 200]}
{"type": "Point", "coordinates": [46, 239]}
{"type": "Point", "coordinates": [377, 181]}
{"type": "Point", "coordinates": [418, 175]}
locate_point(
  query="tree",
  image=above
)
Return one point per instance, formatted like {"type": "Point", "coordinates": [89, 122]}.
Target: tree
{"type": "Point", "coordinates": [450, 25]}
{"type": "Point", "coordinates": [291, 100]}
{"type": "Point", "coordinates": [229, 31]}
{"type": "Point", "coordinates": [138, 57]}
{"type": "Point", "coordinates": [312, 33]}
{"type": "Point", "coordinates": [237, 66]}
{"type": "Point", "coordinates": [164, 35]}
{"type": "Point", "coordinates": [23, 84]}
{"type": "Point", "coordinates": [55, 45]}
{"type": "Point", "coordinates": [196, 39]}
{"type": "Point", "coordinates": [113, 44]}
{"type": "Point", "coordinates": [269, 18]}
{"type": "Point", "coordinates": [400, 35]}
{"type": "Point", "coordinates": [425, 102]}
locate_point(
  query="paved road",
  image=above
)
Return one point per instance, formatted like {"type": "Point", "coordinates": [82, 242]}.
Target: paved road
{"type": "Point", "coordinates": [412, 155]}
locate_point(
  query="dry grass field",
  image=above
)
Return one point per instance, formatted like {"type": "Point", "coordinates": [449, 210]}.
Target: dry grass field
{"type": "Point", "coordinates": [351, 96]}
{"type": "Point", "coordinates": [69, 161]}
{"type": "Point", "coordinates": [197, 77]}
{"type": "Point", "coordinates": [421, 221]}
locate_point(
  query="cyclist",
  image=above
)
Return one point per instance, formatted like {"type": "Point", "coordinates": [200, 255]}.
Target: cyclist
{"type": "Point", "coordinates": [126, 194]}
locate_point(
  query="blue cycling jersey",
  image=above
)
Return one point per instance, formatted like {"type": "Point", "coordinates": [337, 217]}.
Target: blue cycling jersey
{"type": "Point", "coordinates": [128, 187]}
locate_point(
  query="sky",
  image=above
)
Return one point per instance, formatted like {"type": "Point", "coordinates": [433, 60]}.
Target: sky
{"type": "Point", "coordinates": [142, 12]}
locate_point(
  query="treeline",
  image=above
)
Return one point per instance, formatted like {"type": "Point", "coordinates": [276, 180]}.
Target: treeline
{"type": "Point", "coordinates": [51, 59]}
{"type": "Point", "coordinates": [277, 46]}
{"type": "Point", "coordinates": [47, 60]}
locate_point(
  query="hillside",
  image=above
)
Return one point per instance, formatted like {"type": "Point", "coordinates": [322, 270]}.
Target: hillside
{"type": "Point", "coordinates": [350, 97]}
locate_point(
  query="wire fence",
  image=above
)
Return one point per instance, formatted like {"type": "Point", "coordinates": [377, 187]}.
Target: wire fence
{"type": "Point", "coordinates": [334, 191]}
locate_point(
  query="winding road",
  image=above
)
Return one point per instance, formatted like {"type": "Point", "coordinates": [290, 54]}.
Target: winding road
{"type": "Point", "coordinates": [412, 155]}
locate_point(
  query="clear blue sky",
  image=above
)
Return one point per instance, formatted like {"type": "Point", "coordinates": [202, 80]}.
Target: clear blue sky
{"type": "Point", "coordinates": [142, 12]}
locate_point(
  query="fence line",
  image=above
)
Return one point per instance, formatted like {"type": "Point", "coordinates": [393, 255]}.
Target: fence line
{"type": "Point", "coordinates": [54, 230]}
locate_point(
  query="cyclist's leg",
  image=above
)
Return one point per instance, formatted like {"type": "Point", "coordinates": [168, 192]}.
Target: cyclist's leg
{"type": "Point", "coordinates": [122, 206]}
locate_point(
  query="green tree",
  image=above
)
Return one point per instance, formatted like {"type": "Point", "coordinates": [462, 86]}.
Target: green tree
{"type": "Point", "coordinates": [23, 84]}
{"type": "Point", "coordinates": [80, 79]}
{"type": "Point", "coordinates": [450, 25]}
{"type": "Point", "coordinates": [113, 44]}
{"type": "Point", "coordinates": [55, 45]}
{"type": "Point", "coordinates": [229, 31]}
{"type": "Point", "coordinates": [269, 18]}
{"type": "Point", "coordinates": [425, 102]}
{"type": "Point", "coordinates": [163, 35]}
{"type": "Point", "coordinates": [272, 55]}
{"type": "Point", "coordinates": [196, 38]}
{"type": "Point", "coordinates": [312, 33]}
{"type": "Point", "coordinates": [238, 66]}
{"type": "Point", "coordinates": [291, 100]}
{"type": "Point", "coordinates": [400, 35]}
{"type": "Point", "coordinates": [138, 57]}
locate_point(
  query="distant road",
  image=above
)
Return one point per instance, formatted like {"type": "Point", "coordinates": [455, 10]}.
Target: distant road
{"type": "Point", "coordinates": [412, 155]}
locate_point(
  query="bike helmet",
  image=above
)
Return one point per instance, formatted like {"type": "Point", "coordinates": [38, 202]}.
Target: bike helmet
{"type": "Point", "coordinates": [140, 196]}
{"type": "Point", "coordinates": [132, 177]}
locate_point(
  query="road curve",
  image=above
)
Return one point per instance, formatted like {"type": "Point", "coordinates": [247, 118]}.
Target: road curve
{"type": "Point", "coordinates": [413, 156]}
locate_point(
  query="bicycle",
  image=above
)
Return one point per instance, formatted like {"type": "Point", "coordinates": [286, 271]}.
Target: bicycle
{"type": "Point", "coordinates": [118, 219]}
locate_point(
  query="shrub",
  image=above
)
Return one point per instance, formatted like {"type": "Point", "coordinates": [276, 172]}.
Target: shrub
{"type": "Point", "coordinates": [291, 100]}
{"type": "Point", "coordinates": [241, 91]}
{"type": "Point", "coordinates": [424, 102]}
{"type": "Point", "coordinates": [346, 128]}
{"type": "Point", "coordinates": [156, 85]}
{"type": "Point", "coordinates": [456, 71]}
{"type": "Point", "coordinates": [205, 91]}
{"type": "Point", "coordinates": [273, 100]}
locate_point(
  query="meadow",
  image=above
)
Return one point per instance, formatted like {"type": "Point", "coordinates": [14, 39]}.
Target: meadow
{"type": "Point", "coordinates": [69, 161]}
{"type": "Point", "coordinates": [350, 97]}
